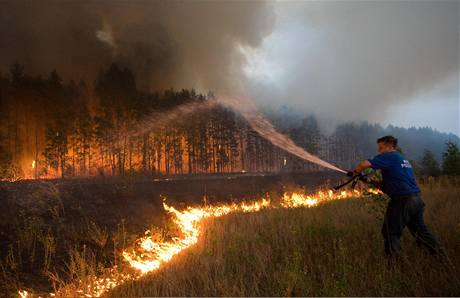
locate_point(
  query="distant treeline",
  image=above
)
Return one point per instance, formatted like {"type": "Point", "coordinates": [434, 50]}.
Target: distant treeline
{"type": "Point", "coordinates": [52, 128]}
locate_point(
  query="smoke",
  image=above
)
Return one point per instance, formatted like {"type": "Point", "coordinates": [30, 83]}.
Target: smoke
{"type": "Point", "coordinates": [358, 60]}
{"type": "Point", "coordinates": [179, 44]}
{"type": "Point", "coordinates": [342, 60]}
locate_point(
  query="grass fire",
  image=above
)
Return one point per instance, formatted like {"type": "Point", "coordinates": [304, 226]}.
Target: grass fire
{"type": "Point", "coordinates": [149, 254]}
{"type": "Point", "coordinates": [229, 148]}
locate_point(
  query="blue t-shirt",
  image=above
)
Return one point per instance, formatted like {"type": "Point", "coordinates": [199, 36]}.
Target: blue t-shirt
{"type": "Point", "coordinates": [398, 176]}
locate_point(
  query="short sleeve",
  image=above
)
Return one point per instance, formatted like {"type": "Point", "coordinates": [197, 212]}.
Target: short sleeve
{"type": "Point", "coordinates": [379, 162]}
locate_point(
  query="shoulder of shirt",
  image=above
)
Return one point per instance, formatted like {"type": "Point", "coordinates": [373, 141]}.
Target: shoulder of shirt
{"type": "Point", "coordinates": [399, 154]}
{"type": "Point", "coordinates": [384, 153]}
{"type": "Point", "coordinates": [388, 154]}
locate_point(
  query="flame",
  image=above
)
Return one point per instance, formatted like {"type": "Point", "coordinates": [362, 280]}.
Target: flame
{"type": "Point", "coordinates": [148, 255]}
{"type": "Point", "coordinates": [33, 164]}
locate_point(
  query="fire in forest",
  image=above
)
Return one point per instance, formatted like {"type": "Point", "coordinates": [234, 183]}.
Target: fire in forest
{"type": "Point", "coordinates": [198, 136]}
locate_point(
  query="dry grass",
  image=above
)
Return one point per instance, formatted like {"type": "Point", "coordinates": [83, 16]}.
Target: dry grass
{"type": "Point", "coordinates": [332, 250]}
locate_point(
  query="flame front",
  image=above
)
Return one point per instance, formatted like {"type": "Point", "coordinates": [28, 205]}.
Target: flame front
{"type": "Point", "coordinates": [149, 255]}
{"type": "Point", "coordinates": [295, 200]}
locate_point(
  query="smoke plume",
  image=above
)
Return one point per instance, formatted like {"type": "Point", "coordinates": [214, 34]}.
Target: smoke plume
{"type": "Point", "coordinates": [355, 60]}
{"type": "Point", "coordinates": [343, 60]}
{"type": "Point", "coordinates": [179, 44]}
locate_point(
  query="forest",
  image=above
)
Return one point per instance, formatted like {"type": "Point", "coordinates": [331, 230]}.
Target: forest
{"type": "Point", "coordinates": [51, 128]}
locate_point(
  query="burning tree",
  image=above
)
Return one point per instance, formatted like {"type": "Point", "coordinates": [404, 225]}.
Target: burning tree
{"type": "Point", "coordinates": [113, 128]}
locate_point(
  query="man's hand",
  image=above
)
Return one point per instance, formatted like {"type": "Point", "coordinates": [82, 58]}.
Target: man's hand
{"type": "Point", "coordinates": [360, 167]}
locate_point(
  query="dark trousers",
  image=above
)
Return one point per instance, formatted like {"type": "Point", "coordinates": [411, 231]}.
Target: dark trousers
{"type": "Point", "coordinates": [407, 211]}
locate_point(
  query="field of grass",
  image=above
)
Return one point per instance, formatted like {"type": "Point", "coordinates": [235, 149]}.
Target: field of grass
{"type": "Point", "coordinates": [335, 249]}
{"type": "Point", "coordinates": [56, 232]}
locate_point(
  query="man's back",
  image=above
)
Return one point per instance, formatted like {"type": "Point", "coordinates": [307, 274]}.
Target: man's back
{"type": "Point", "coordinates": [398, 176]}
{"type": "Point", "coordinates": [406, 207]}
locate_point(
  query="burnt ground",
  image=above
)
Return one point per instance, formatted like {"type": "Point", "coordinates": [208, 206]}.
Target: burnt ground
{"type": "Point", "coordinates": [47, 226]}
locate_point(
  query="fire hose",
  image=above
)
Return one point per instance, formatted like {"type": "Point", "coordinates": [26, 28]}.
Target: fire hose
{"type": "Point", "coordinates": [354, 180]}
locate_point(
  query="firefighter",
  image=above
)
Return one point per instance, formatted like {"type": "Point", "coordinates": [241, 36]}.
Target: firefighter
{"type": "Point", "coordinates": [406, 206]}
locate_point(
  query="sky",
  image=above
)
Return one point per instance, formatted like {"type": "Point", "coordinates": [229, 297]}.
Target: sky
{"type": "Point", "coordinates": [394, 62]}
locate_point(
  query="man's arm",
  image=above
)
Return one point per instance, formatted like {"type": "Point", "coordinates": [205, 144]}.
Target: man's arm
{"type": "Point", "coordinates": [365, 164]}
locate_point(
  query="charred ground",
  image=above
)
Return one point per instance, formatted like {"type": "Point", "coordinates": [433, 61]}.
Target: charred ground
{"type": "Point", "coordinates": [52, 229]}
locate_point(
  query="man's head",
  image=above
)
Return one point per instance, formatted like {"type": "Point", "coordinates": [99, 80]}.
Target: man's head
{"type": "Point", "coordinates": [387, 144]}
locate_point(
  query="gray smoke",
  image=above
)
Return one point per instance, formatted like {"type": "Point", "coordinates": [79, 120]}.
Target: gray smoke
{"type": "Point", "coordinates": [181, 44]}
{"type": "Point", "coordinates": [343, 60]}
{"type": "Point", "coordinates": [354, 60]}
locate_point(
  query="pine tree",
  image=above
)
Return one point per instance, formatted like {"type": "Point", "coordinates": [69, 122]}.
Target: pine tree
{"type": "Point", "coordinates": [451, 159]}
{"type": "Point", "coordinates": [5, 163]}
{"type": "Point", "coordinates": [429, 164]}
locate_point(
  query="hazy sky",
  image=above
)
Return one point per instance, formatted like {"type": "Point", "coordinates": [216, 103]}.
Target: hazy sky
{"type": "Point", "coordinates": [389, 62]}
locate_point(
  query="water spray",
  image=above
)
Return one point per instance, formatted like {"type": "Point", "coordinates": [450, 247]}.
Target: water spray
{"type": "Point", "coordinates": [248, 110]}
{"type": "Point", "coordinates": [265, 129]}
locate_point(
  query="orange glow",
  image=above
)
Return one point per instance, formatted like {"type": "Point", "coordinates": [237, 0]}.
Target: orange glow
{"type": "Point", "coordinates": [148, 255]}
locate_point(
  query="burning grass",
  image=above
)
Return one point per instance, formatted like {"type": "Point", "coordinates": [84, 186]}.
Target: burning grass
{"type": "Point", "coordinates": [334, 249]}
{"type": "Point", "coordinates": [282, 249]}
{"type": "Point", "coordinates": [150, 253]}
